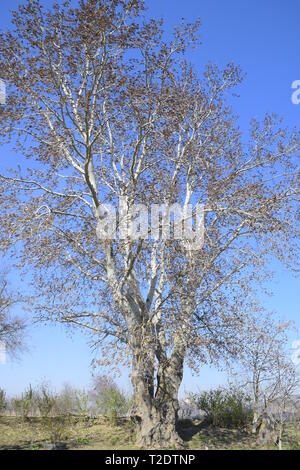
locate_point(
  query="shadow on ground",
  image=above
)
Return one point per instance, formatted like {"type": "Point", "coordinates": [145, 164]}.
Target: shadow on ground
{"type": "Point", "coordinates": [197, 434]}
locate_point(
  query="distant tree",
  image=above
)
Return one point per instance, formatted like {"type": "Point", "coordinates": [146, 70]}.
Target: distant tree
{"type": "Point", "coordinates": [12, 327]}
{"type": "Point", "coordinates": [287, 385]}
{"type": "Point", "coordinates": [3, 401]}
{"type": "Point", "coordinates": [45, 400]}
{"type": "Point", "coordinates": [105, 109]}
{"type": "Point", "coordinates": [264, 360]}
{"type": "Point", "coordinates": [25, 404]}
{"type": "Point", "coordinates": [110, 400]}
{"type": "Point", "coordinates": [66, 400]}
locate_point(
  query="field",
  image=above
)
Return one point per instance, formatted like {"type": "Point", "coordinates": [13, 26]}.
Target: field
{"type": "Point", "coordinates": [99, 433]}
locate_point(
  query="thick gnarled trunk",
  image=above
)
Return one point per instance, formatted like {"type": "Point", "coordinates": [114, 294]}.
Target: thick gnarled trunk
{"type": "Point", "coordinates": [156, 411]}
{"type": "Point", "coordinates": [158, 427]}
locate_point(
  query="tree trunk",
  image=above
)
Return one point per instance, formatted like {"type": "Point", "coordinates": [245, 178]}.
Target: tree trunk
{"type": "Point", "coordinates": [280, 441]}
{"type": "Point", "coordinates": [256, 415]}
{"type": "Point", "coordinates": [280, 431]}
{"type": "Point", "coordinates": [156, 427]}
{"type": "Point", "coordinates": [156, 414]}
{"type": "Point", "coordinates": [255, 422]}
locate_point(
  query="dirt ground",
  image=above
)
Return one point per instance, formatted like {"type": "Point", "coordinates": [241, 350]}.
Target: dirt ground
{"type": "Point", "coordinates": [93, 434]}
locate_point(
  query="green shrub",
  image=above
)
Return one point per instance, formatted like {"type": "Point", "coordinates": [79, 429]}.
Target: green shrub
{"type": "Point", "coordinates": [224, 407]}
{"type": "Point", "coordinates": [24, 405]}
{"type": "Point", "coordinates": [56, 421]}
{"type": "Point", "coordinates": [82, 403]}
{"type": "Point", "coordinates": [58, 428]}
{"type": "Point", "coordinates": [45, 400]}
{"type": "Point", "coordinates": [111, 401]}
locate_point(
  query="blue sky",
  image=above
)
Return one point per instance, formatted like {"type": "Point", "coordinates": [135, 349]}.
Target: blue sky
{"type": "Point", "coordinates": [264, 38]}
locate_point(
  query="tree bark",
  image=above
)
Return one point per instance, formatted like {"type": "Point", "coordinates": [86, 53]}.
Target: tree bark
{"type": "Point", "coordinates": [256, 420]}
{"type": "Point", "coordinates": [256, 415]}
{"type": "Point", "coordinates": [255, 424]}
{"type": "Point", "coordinates": [156, 414]}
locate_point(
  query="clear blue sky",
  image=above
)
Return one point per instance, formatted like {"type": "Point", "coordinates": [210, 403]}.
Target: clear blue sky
{"type": "Point", "coordinates": [264, 38]}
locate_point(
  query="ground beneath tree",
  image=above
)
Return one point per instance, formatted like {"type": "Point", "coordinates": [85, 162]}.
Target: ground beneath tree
{"type": "Point", "coordinates": [101, 434]}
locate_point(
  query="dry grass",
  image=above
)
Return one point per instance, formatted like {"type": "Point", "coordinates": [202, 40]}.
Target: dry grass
{"type": "Point", "coordinates": [34, 433]}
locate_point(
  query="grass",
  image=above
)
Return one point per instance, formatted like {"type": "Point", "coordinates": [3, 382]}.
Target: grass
{"type": "Point", "coordinates": [34, 434]}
